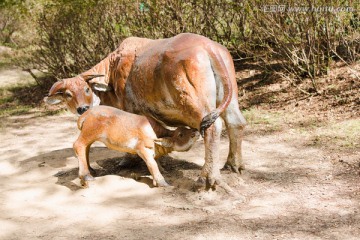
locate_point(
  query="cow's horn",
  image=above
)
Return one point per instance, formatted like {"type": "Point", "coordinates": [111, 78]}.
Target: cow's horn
{"type": "Point", "coordinates": [57, 88]}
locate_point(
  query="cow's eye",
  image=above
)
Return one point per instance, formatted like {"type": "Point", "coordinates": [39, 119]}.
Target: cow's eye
{"type": "Point", "coordinates": [87, 90]}
{"type": "Point", "coordinates": [180, 135]}
{"type": "Point", "coordinates": [68, 95]}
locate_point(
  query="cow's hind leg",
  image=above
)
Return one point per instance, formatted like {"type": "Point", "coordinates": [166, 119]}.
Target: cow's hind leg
{"type": "Point", "coordinates": [211, 168]}
{"type": "Point", "coordinates": [235, 123]}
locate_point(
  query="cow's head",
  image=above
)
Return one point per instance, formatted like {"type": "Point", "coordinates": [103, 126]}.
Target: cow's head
{"type": "Point", "coordinates": [77, 92]}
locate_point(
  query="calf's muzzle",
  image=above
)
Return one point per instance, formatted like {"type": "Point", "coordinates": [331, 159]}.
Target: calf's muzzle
{"type": "Point", "coordinates": [82, 109]}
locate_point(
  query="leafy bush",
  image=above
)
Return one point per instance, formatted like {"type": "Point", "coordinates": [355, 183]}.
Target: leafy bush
{"type": "Point", "coordinates": [75, 35]}
{"type": "Point", "coordinates": [305, 39]}
{"type": "Point", "coordinates": [15, 23]}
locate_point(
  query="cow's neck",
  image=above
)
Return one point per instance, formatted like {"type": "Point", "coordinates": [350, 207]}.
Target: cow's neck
{"type": "Point", "coordinates": [102, 67]}
{"type": "Point", "coordinates": [159, 130]}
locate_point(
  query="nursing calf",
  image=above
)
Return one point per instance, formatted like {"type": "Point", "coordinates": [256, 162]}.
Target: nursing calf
{"type": "Point", "coordinates": [131, 133]}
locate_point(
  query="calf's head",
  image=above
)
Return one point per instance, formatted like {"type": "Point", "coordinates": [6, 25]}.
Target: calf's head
{"type": "Point", "coordinates": [181, 140]}
{"type": "Point", "coordinates": [76, 92]}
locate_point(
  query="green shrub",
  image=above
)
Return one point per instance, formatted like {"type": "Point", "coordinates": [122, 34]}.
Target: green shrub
{"type": "Point", "coordinates": [305, 38]}
{"type": "Point", "coordinates": [74, 35]}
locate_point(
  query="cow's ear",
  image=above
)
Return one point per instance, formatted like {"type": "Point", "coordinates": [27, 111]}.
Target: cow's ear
{"type": "Point", "coordinates": [55, 95]}
{"type": "Point", "coordinates": [101, 87]}
{"type": "Point", "coordinates": [52, 100]}
{"type": "Point", "coordinates": [97, 82]}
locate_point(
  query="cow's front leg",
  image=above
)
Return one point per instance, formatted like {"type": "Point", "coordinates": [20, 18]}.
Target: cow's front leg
{"type": "Point", "coordinates": [211, 169]}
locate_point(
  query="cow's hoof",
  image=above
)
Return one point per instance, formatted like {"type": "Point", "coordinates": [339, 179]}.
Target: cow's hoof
{"type": "Point", "coordinates": [234, 168]}
{"type": "Point", "coordinates": [199, 184]}
{"type": "Point", "coordinates": [211, 183]}
{"type": "Point", "coordinates": [207, 183]}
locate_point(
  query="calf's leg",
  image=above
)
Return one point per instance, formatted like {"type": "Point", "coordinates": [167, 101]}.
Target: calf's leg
{"type": "Point", "coordinates": [147, 155]}
{"type": "Point", "coordinates": [81, 148]}
{"type": "Point", "coordinates": [92, 171]}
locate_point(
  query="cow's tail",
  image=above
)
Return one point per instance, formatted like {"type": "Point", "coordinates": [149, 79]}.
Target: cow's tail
{"type": "Point", "coordinates": [220, 72]}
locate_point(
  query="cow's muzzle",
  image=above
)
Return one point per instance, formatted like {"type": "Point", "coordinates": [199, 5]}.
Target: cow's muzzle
{"type": "Point", "coordinates": [82, 109]}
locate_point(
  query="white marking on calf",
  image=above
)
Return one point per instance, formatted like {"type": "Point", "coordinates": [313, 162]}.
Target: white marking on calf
{"type": "Point", "coordinates": [132, 143]}
{"type": "Point", "coordinates": [149, 131]}
{"type": "Point", "coordinates": [103, 137]}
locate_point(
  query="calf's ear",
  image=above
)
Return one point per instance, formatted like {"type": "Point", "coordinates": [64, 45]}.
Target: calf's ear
{"type": "Point", "coordinates": [165, 142]}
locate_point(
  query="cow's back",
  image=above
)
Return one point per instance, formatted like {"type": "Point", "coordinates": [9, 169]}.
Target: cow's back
{"type": "Point", "coordinates": [173, 78]}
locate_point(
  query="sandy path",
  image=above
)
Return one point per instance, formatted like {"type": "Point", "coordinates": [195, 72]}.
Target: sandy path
{"type": "Point", "coordinates": [288, 192]}
{"type": "Point", "coordinates": [13, 76]}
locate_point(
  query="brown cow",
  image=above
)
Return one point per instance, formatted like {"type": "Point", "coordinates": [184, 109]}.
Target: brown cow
{"type": "Point", "coordinates": [186, 80]}
{"type": "Point", "coordinates": [131, 133]}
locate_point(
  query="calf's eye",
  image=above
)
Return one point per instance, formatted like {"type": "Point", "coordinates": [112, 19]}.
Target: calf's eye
{"type": "Point", "coordinates": [87, 90]}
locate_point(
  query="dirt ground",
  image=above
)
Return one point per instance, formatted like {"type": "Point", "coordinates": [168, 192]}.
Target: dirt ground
{"type": "Point", "coordinates": [289, 190]}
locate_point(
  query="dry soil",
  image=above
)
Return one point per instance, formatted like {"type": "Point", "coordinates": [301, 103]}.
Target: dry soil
{"type": "Point", "coordinates": [289, 190]}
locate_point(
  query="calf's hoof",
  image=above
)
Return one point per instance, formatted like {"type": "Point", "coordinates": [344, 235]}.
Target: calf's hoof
{"type": "Point", "coordinates": [162, 183]}
{"type": "Point", "coordinates": [84, 180]}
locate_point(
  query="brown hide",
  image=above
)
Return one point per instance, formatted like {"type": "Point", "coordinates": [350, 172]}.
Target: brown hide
{"type": "Point", "coordinates": [170, 80]}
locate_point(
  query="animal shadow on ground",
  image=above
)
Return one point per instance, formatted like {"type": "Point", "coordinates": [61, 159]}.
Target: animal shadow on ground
{"type": "Point", "coordinates": [132, 166]}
